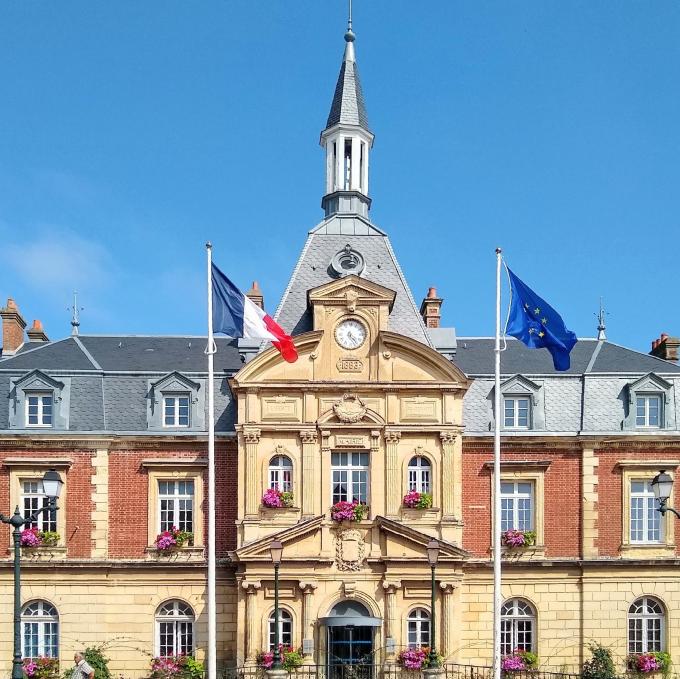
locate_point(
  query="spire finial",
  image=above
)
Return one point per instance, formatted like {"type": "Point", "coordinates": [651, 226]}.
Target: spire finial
{"type": "Point", "coordinates": [349, 36]}
{"type": "Point", "coordinates": [601, 325]}
{"type": "Point", "coordinates": [75, 311]}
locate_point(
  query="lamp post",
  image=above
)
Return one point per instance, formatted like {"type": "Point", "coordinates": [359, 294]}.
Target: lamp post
{"type": "Point", "coordinates": [52, 485]}
{"type": "Point", "coordinates": [662, 486]}
{"type": "Point", "coordinates": [432, 557]}
{"type": "Point", "coordinates": [276, 550]}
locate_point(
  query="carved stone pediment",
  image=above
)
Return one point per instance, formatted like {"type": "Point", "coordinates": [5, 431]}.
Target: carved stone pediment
{"type": "Point", "coordinates": [350, 408]}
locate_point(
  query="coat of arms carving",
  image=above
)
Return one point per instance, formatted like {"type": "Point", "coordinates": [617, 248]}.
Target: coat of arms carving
{"type": "Point", "coordinates": [350, 408]}
{"type": "Point", "coordinates": [350, 550]}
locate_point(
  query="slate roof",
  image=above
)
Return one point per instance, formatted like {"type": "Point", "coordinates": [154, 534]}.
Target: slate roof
{"type": "Point", "coordinates": [475, 356]}
{"type": "Point", "coordinates": [348, 105]}
{"type": "Point", "coordinates": [381, 266]}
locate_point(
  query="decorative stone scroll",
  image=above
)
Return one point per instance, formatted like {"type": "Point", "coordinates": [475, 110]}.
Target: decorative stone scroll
{"type": "Point", "coordinates": [350, 408]}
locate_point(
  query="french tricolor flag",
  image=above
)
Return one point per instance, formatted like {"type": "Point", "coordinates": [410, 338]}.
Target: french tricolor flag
{"type": "Point", "coordinates": [236, 315]}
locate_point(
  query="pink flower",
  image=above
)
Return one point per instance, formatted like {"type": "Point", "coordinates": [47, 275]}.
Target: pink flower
{"type": "Point", "coordinates": [272, 498]}
{"type": "Point", "coordinates": [413, 658]}
{"type": "Point", "coordinates": [30, 537]}
{"type": "Point", "coordinates": [512, 663]}
{"type": "Point", "coordinates": [411, 499]}
{"type": "Point", "coordinates": [513, 538]}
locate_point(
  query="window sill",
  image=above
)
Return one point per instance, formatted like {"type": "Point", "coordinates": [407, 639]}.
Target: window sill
{"type": "Point", "coordinates": [647, 551]}
{"type": "Point", "coordinates": [522, 553]}
{"type": "Point", "coordinates": [179, 554]}
{"type": "Point", "coordinates": [420, 515]}
{"type": "Point", "coordinates": [41, 553]}
{"type": "Point", "coordinates": [276, 514]}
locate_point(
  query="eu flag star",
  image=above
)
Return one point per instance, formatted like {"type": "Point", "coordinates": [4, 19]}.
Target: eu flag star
{"type": "Point", "coordinates": [532, 331]}
{"type": "Point", "coordinates": [541, 334]}
{"type": "Point", "coordinates": [537, 311]}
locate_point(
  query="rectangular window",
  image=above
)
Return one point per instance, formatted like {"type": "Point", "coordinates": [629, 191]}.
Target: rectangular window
{"type": "Point", "coordinates": [33, 498]}
{"type": "Point", "coordinates": [176, 505]}
{"type": "Point", "coordinates": [348, 165]}
{"type": "Point", "coordinates": [516, 413]}
{"type": "Point", "coordinates": [517, 505]}
{"type": "Point", "coordinates": [350, 477]}
{"type": "Point", "coordinates": [176, 410]}
{"type": "Point", "coordinates": [648, 411]}
{"type": "Point", "coordinates": [39, 410]}
{"type": "Point", "coordinates": [645, 519]}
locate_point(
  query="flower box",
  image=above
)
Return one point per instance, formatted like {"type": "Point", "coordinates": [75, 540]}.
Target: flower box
{"type": "Point", "coordinates": [275, 498]}
{"type": "Point", "coordinates": [172, 539]}
{"type": "Point", "coordinates": [41, 668]}
{"type": "Point", "coordinates": [519, 661]}
{"type": "Point", "coordinates": [648, 663]}
{"type": "Point", "coordinates": [415, 500]}
{"type": "Point", "coordinates": [518, 538]}
{"type": "Point", "coordinates": [175, 666]}
{"type": "Point", "coordinates": [291, 658]}
{"type": "Point", "coordinates": [32, 538]}
{"type": "Point", "coordinates": [348, 511]}
{"type": "Point", "coordinates": [418, 659]}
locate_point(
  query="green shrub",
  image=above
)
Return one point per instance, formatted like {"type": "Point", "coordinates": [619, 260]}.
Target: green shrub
{"type": "Point", "coordinates": [601, 665]}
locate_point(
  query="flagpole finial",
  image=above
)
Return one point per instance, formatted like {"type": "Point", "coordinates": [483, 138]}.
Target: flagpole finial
{"type": "Point", "coordinates": [498, 251]}
{"type": "Point", "coordinates": [75, 317]}
{"type": "Point", "coordinates": [208, 245]}
{"type": "Point", "coordinates": [601, 325]}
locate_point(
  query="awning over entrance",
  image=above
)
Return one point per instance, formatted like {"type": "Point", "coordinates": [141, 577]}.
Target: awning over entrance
{"type": "Point", "coordinates": [350, 614]}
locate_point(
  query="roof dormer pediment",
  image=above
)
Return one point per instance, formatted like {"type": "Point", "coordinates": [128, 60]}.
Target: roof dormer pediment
{"type": "Point", "coordinates": [175, 381]}
{"type": "Point", "coordinates": [650, 383]}
{"type": "Point", "coordinates": [36, 379]}
{"type": "Point", "coordinates": [518, 384]}
{"type": "Point", "coordinates": [351, 291]}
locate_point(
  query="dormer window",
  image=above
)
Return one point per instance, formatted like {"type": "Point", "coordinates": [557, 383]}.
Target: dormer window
{"type": "Point", "coordinates": [517, 412]}
{"type": "Point", "coordinates": [176, 410]}
{"type": "Point", "coordinates": [648, 411]}
{"type": "Point", "coordinates": [39, 409]}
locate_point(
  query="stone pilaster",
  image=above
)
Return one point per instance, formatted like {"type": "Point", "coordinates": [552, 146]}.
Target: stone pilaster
{"type": "Point", "coordinates": [449, 490]}
{"type": "Point", "coordinates": [307, 588]}
{"type": "Point", "coordinates": [391, 622]}
{"type": "Point", "coordinates": [392, 485]}
{"type": "Point", "coordinates": [589, 466]}
{"type": "Point", "coordinates": [100, 497]}
{"type": "Point", "coordinates": [446, 625]}
{"type": "Point", "coordinates": [309, 438]}
{"type": "Point", "coordinates": [252, 619]}
{"type": "Point", "coordinates": [251, 438]}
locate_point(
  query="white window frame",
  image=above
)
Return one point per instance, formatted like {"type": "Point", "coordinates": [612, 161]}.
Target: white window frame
{"type": "Point", "coordinates": [418, 628]}
{"type": "Point", "coordinates": [645, 622]}
{"type": "Point", "coordinates": [352, 470]}
{"type": "Point", "coordinates": [515, 498]}
{"type": "Point", "coordinates": [46, 622]}
{"type": "Point", "coordinates": [518, 618]}
{"type": "Point", "coordinates": [285, 628]}
{"type": "Point", "coordinates": [419, 474]}
{"type": "Point", "coordinates": [646, 398]}
{"type": "Point", "coordinates": [40, 396]}
{"type": "Point", "coordinates": [180, 622]}
{"type": "Point", "coordinates": [515, 419]}
{"type": "Point", "coordinates": [175, 412]}
{"type": "Point", "coordinates": [177, 504]}
{"type": "Point", "coordinates": [32, 501]}
{"type": "Point", "coordinates": [650, 514]}
{"type": "Point", "coordinates": [281, 473]}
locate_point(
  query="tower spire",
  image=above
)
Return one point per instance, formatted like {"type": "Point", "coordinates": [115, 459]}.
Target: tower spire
{"type": "Point", "coordinates": [75, 315]}
{"type": "Point", "coordinates": [347, 139]}
{"type": "Point", "coordinates": [601, 325]}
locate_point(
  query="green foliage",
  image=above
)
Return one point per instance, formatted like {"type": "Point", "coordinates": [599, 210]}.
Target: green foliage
{"type": "Point", "coordinates": [601, 665]}
{"type": "Point", "coordinates": [193, 669]}
{"type": "Point", "coordinates": [49, 538]}
{"type": "Point", "coordinates": [664, 660]}
{"type": "Point", "coordinates": [94, 655]}
{"type": "Point", "coordinates": [529, 537]}
{"type": "Point", "coordinates": [291, 660]}
{"type": "Point", "coordinates": [184, 537]}
{"type": "Point", "coordinates": [287, 498]}
{"type": "Point", "coordinates": [530, 659]}
{"type": "Point", "coordinates": [425, 501]}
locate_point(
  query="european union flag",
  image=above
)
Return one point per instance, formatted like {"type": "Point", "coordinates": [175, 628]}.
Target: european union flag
{"type": "Point", "coordinates": [533, 321]}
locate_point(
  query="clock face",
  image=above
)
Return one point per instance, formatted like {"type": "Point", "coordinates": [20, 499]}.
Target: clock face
{"type": "Point", "coordinates": [350, 334]}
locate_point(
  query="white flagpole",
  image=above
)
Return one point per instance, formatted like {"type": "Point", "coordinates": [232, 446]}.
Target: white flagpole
{"type": "Point", "coordinates": [212, 608]}
{"type": "Point", "coordinates": [497, 595]}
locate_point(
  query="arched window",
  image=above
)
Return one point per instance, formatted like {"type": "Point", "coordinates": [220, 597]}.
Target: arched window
{"type": "Point", "coordinates": [646, 622]}
{"type": "Point", "coordinates": [281, 473]}
{"type": "Point", "coordinates": [285, 629]}
{"type": "Point", "coordinates": [419, 474]}
{"type": "Point", "coordinates": [40, 630]}
{"type": "Point", "coordinates": [518, 624]}
{"type": "Point", "coordinates": [174, 629]}
{"type": "Point", "coordinates": [418, 628]}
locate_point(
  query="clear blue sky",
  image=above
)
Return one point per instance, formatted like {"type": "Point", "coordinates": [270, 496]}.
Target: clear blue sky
{"type": "Point", "coordinates": [131, 132]}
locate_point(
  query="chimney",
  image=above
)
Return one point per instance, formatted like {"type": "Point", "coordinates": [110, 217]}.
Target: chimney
{"type": "Point", "coordinates": [255, 295]}
{"type": "Point", "coordinates": [430, 309]}
{"type": "Point", "coordinates": [13, 326]}
{"type": "Point", "coordinates": [36, 332]}
{"type": "Point", "coordinates": [666, 347]}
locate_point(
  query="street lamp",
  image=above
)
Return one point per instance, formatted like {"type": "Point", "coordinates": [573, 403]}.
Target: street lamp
{"type": "Point", "coordinates": [52, 485]}
{"type": "Point", "coordinates": [432, 557]}
{"type": "Point", "coordinates": [276, 550]}
{"type": "Point", "coordinates": [662, 486]}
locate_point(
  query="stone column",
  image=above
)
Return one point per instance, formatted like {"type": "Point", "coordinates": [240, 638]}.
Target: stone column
{"type": "Point", "coordinates": [391, 623]}
{"type": "Point", "coordinates": [251, 438]}
{"type": "Point", "coordinates": [308, 478]}
{"type": "Point", "coordinates": [393, 489]}
{"type": "Point", "coordinates": [446, 624]}
{"type": "Point", "coordinates": [307, 588]}
{"type": "Point", "coordinates": [251, 618]}
{"type": "Point", "coordinates": [449, 490]}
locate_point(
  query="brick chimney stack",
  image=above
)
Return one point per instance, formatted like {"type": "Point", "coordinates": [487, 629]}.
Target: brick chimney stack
{"type": "Point", "coordinates": [13, 325]}
{"type": "Point", "coordinates": [36, 332]}
{"type": "Point", "coordinates": [666, 347]}
{"type": "Point", "coordinates": [255, 295]}
{"type": "Point", "coordinates": [430, 309]}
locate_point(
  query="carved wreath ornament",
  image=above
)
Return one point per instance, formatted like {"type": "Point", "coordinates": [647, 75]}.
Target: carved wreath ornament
{"type": "Point", "coordinates": [350, 550]}
{"type": "Point", "coordinates": [350, 408]}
